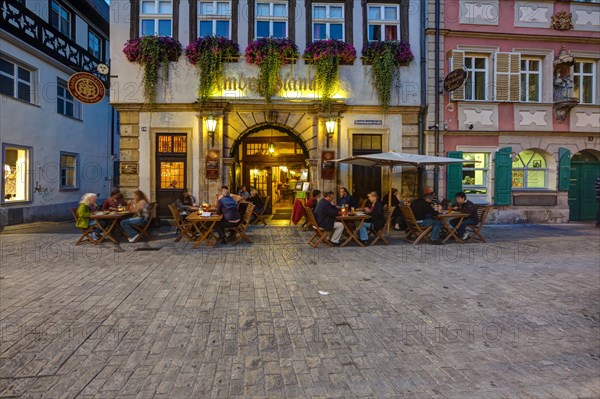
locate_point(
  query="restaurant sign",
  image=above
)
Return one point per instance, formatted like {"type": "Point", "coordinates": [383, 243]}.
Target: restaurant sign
{"type": "Point", "coordinates": [368, 122]}
{"type": "Point", "coordinates": [86, 88]}
{"type": "Point", "coordinates": [455, 79]}
{"type": "Point", "coordinates": [213, 164]}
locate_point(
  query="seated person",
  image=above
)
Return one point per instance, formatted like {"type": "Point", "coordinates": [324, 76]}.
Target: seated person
{"type": "Point", "coordinates": [244, 192]}
{"type": "Point", "coordinates": [236, 197]}
{"type": "Point", "coordinates": [255, 199]}
{"type": "Point", "coordinates": [434, 199]}
{"type": "Point", "coordinates": [114, 200]}
{"type": "Point", "coordinates": [87, 205]}
{"type": "Point", "coordinates": [227, 207]}
{"type": "Point", "coordinates": [377, 221]}
{"type": "Point", "coordinates": [325, 214]}
{"type": "Point", "coordinates": [396, 215]}
{"type": "Point", "coordinates": [424, 213]}
{"type": "Point", "coordinates": [346, 199]}
{"type": "Point", "coordinates": [187, 198]}
{"type": "Point", "coordinates": [140, 206]}
{"type": "Point", "coordinates": [312, 201]}
{"type": "Point", "coordinates": [463, 205]}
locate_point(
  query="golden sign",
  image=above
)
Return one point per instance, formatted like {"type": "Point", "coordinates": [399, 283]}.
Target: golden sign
{"type": "Point", "coordinates": [86, 88]}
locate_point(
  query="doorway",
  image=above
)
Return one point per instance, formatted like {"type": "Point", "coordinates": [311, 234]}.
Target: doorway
{"type": "Point", "coordinates": [171, 170]}
{"type": "Point", "coordinates": [364, 178]}
{"type": "Point", "coordinates": [585, 168]}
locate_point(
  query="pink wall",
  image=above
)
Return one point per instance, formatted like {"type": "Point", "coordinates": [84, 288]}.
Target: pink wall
{"type": "Point", "coordinates": [450, 142]}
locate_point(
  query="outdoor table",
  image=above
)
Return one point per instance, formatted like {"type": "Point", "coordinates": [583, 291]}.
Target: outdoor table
{"type": "Point", "coordinates": [204, 226]}
{"type": "Point", "coordinates": [113, 217]}
{"type": "Point", "coordinates": [352, 224]}
{"type": "Point", "coordinates": [445, 217]}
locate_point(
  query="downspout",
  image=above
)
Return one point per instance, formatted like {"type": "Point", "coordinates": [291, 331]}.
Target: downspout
{"type": "Point", "coordinates": [436, 170]}
{"type": "Point", "coordinates": [423, 107]}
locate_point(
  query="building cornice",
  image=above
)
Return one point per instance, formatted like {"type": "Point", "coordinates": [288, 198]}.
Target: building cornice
{"type": "Point", "coordinates": [563, 133]}
{"type": "Point", "coordinates": [516, 36]}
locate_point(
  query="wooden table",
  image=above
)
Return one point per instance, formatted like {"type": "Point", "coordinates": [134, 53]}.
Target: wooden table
{"type": "Point", "coordinates": [352, 226]}
{"type": "Point", "coordinates": [445, 217]}
{"type": "Point", "coordinates": [113, 217]}
{"type": "Point", "coordinates": [204, 226]}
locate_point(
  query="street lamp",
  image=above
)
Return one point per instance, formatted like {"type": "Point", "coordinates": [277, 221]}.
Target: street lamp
{"type": "Point", "coordinates": [211, 128]}
{"type": "Point", "coordinates": [330, 128]}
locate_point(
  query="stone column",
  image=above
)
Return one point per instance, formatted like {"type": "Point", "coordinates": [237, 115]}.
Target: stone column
{"type": "Point", "coordinates": [227, 169]}
{"type": "Point", "coordinates": [313, 172]}
{"type": "Point", "coordinates": [129, 153]}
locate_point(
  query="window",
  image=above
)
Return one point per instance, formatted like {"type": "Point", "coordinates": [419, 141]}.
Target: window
{"type": "Point", "coordinates": [383, 22]}
{"type": "Point", "coordinates": [16, 81]}
{"type": "Point", "coordinates": [584, 81]}
{"type": "Point", "coordinates": [68, 170]}
{"type": "Point", "coordinates": [214, 18]}
{"type": "Point", "coordinates": [156, 18]}
{"type": "Point", "coordinates": [61, 18]}
{"type": "Point", "coordinates": [476, 84]}
{"type": "Point", "coordinates": [95, 44]}
{"type": "Point", "coordinates": [531, 80]}
{"type": "Point", "coordinates": [530, 171]}
{"type": "Point", "coordinates": [475, 172]}
{"type": "Point", "coordinates": [65, 103]}
{"type": "Point", "coordinates": [271, 20]}
{"type": "Point", "coordinates": [328, 22]}
{"type": "Point", "coordinates": [16, 174]}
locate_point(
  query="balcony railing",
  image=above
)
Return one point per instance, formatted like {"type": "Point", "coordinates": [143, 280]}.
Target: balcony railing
{"type": "Point", "coordinates": [24, 24]}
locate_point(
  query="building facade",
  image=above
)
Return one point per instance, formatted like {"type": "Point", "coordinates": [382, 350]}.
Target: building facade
{"type": "Point", "coordinates": [528, 114]}
{"type": "Point", "coordinates": [167, 147]}
{"type": "Point", "coordinates": [54, 148]}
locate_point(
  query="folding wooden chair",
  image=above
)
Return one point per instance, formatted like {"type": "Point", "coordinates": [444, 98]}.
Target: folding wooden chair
{"type": "Point", "coordinates": [86, 232]}
{"type": "Point", "coordinates": [185, 228]}
{"type": "Point", "coordinates": [362, 203]}
{"type": "Point", "coordinates": [320, 234]}
{"type": "Point", "coordinates": [419, 232]}
{"type": "Point", "coordinates": [260, 216]}
{"type": "Point", "coordinates": [142, 229]}
{"type": "Point", "coordinates": [482, 212]}
{"type": "Point", "coordinates": [380, 234]}
{"type": "Point", "coordinates": [239, 231]}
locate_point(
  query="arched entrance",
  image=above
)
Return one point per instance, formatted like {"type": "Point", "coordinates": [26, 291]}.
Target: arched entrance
{"type": "Point", "coordinates": [585, 168]}
{"type": "Point", "coordinates": [272, 159]}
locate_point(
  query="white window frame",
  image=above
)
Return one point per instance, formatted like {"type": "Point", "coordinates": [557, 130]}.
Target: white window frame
{"type": "Point", "coordinates": [526, 168]}
{"type": "Point", "coordinates": [527, 73]}
{"type": "Point", "coordinates": [471, 71]}
{"type": "Point", "coordinates": [17, 80]}
{"type": "Point", "coordinates": [328, 20]}
{"type": "Point", "coordinates": [23, 172]}
{"type": "Point", "coordinates": [91, 32]}
{"type": "Point", "coordinates": [61, 7]}
{"type": "Point", "coordinates": [383, 22]}
{"type": "Point", "coordinates": [76, 104]}
{"type": "Point", "coordinates": [491, 151]}
{"type": "Point", "coordinates": [156, 16]}
{"type": "Point", "coordinates": [75, 185]}
{"type": "Point", "coordinates": [581, 75]}
{"type": "Point", "coordinates": [270, 18]}
{"type": "Point", "coordinates": [214, 17]}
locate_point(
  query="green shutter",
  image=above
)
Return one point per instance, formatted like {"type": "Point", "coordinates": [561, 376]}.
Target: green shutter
{"type": "Point", "coordinates": [564, 169]}
{"type": "Point", "coordinates": [453, 176]}
{"type": "Point", "coordinates": [503, 176]}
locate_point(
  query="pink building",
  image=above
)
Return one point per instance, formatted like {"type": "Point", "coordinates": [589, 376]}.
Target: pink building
{"type": "Point", "coordinates": [528, 114]}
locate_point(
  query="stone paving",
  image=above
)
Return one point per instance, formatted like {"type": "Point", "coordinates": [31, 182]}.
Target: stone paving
{"type": "Point", "coordinates": [518, 317]}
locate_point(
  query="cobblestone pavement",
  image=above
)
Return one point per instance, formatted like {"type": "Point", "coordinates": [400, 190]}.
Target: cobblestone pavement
{"type": "Point", "coordinates": [518, 317]}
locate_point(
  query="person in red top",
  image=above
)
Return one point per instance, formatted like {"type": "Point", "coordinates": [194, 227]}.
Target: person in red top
{"type": "Point", "coordinates": [312, 201]}
{"type": "Point", "coordinates": [113, 202]}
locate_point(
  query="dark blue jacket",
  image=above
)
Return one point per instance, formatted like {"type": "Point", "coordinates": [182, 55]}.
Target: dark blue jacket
{"type": "Point", "coordinates": [229, 209]}
{"type": "Point", "coordinates": [348, 199]}
{"type": "Point", "coordinates": [325, 214]}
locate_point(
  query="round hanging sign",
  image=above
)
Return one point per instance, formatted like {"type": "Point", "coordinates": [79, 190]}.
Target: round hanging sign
{"type": "Point", "coordinates": [455, 79]}
{"type": "Point", "coordinates": [86, 88]}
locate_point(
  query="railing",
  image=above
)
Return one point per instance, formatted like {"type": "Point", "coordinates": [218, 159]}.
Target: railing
{"type": "Point", "coordinates": [24, 24]}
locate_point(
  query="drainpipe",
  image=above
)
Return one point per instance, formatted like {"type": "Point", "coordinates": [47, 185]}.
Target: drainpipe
{"type": "Point", "coordinates": [423, 107]}
{"type": "Point", "coordinates": [436, 170]}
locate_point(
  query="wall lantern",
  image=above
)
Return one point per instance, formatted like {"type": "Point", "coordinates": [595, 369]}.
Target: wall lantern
{"type": "Point", "coordinates": [330, 128]}
{"type": "Point", "coordinates": [211, 128]}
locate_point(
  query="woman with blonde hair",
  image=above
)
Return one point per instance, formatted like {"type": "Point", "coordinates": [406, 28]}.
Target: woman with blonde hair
{"type": "Point", "coordinates": [87, 205]}
{"type": "Point", "coordinates": [140, 206]}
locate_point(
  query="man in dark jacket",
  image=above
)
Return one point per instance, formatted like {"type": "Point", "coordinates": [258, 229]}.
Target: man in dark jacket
{"type": "Point", "coordinates": [346, 199]}
{"type": "Point", "coordinates": [377, 221]}
{"type": "Point", "coordinates": [227, 207]}
{"type": "Point", "coordinates": [325, 214]}
{"type": "Point", "coordinates": [424, 213]}
{"type": "Point", "coordinates": [463, 205]}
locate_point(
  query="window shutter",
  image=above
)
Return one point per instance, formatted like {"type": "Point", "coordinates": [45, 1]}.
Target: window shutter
{"type": "Point", "coordinates": [508, 77]}
{"type": "Point", "coordinates": [564, 169]}
{"type": "Point", "coordinates": [453, 176]}
{"type": "Point", "coordinates": [134, 19]}
{"type": "Point", "coordinates": [457, 61]}
{"type": "Point", "coordinates": [503, 176]}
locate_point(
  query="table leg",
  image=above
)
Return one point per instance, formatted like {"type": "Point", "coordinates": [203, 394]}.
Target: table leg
{"type": "Point", "coordinates": [452, 231]}
{"type": "Point", "coordinates": [106, 233]}
{"type": "Point", "coordinates": [352, 235]}
{"type": "Point", "coordinates": [204, 235]}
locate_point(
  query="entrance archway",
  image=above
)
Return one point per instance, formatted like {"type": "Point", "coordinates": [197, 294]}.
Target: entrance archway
{"type": "Point", "coordinates": [272, 159]}
{"type": "Point", "coordinates": [585, 168]}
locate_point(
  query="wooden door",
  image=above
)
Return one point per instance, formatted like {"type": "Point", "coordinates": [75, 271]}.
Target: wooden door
{"type": "Point", "coordinates": [365, 179]}
{"type": "Point", "coordinates": [171, 170]}
{"type": "Point", "coordinates": [582, 195]}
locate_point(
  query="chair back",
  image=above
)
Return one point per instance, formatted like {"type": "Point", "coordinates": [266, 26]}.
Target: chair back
{"type": "Point", "coordinates": [74, 213]}
{"type": "Point", "coordinates": [387, 214]}
{"type": "Point", "coordinates": [176, 215]}
{"type": "Point", "coordinates": [482, 213]}
{"type": "Point", "coordinates": [362, 203]}
{"type": "Point", "coordinates": [310, 217]}
{"type": "Point", "coordinates": [266, 204]}
{"type": "Point", "coordinates": [247, 215]}
{"type": "Point", "coordinates": [409, 218]}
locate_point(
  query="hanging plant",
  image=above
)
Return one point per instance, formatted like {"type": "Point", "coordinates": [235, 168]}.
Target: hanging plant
{"type": "Point", "coordinates": [327, 55]}
{"type": "Point", "coordinates": [152, 52]}
{"type": "Point", "coordinates": [269, 54]}
{"type": "Point", "coordinates": [385, 58]}
{"type": "Point", "coordinates": [209, 55]}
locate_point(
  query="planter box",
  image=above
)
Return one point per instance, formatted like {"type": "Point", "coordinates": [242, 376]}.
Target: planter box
{"type": "Point", "coordinates": [308, 61]}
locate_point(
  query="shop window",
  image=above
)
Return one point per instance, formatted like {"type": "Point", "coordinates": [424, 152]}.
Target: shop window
{"type": "Point", "coordinates": [383, 22]}
{"type": "Point", "coordinates": [16, 81]}
{"type": "Point", "coordinates": [530, 171]}
{"type": "Point", "coordinates": [475, 173]}
{"type": "Point", "coordinates": [69, 178]}
{"type": "Point", "coordinates": [156, 18]}
{"type": "Point", "coordinates": [16, 177]}
{"type": "Point", "coordinates": [328, 21]}
{"type": "Point", "coordinates": [214, 18]}
{"type": "Point", "coordinates": [271, 19]}
{"type": "Point", "coordinates": [65, 103]}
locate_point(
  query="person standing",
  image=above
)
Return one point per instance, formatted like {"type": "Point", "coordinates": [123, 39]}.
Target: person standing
{"type": "Point", "coordinates": [140, 207]}
{"type": "Point", "coordinates": [425, 215]}
{"type": "Point", "coordinates": [463, 205]}
{"type": "Point", "coordinates": [228, 207]}
{"type": "Point", "coordinates": [325, 214]}
{"type": "Point", "coordinates": [597, 184]}
{"type": "Point", "coordinates": [377, 221]}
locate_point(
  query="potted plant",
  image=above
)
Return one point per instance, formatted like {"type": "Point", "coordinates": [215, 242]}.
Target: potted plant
{"type": "Point", "coordinates": [209, 55]}
{"type": "Point", "coordinates": [152, 52]}
{"type": "Point", "coordinates": [327, 55]}
{"type": "Point", "coordinates": [269, 54]}
{"type": "Point", "coordinates": [386, 58]}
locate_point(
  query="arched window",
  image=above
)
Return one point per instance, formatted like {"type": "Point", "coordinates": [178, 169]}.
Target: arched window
{"type": "Point", "coordinates": [530, 170]}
